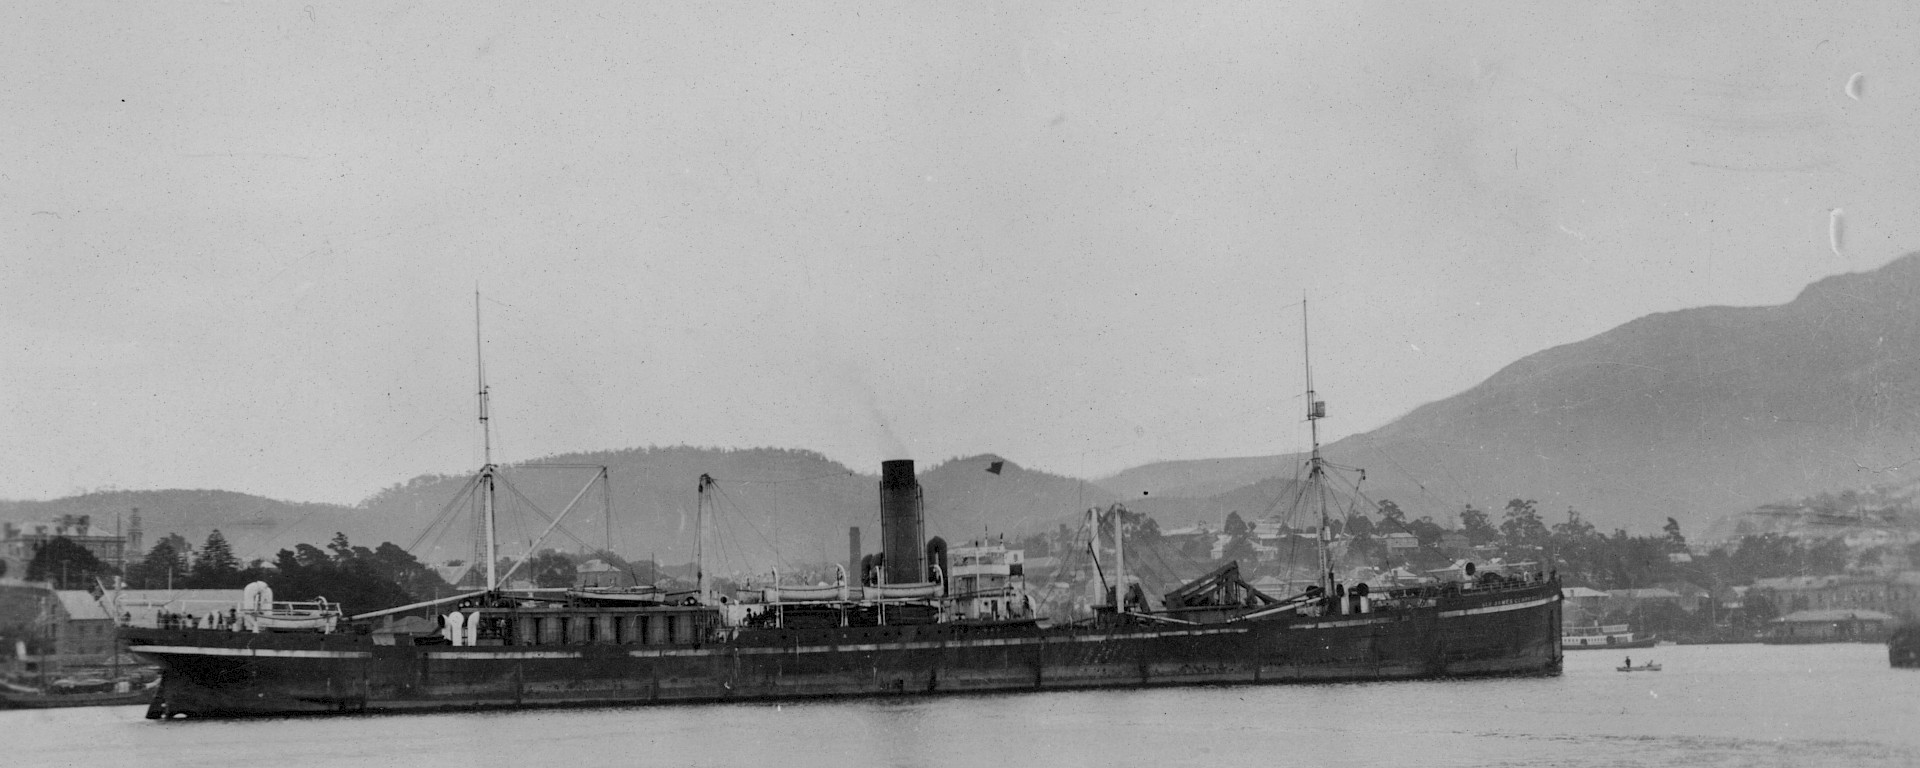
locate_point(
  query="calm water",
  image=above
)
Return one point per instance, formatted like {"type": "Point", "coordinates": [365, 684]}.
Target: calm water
{"type": "Point", "coordinates": [1734, 705]}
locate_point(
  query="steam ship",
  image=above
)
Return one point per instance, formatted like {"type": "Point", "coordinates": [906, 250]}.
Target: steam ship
{"type": "Point", "coordinates": [917, 623]}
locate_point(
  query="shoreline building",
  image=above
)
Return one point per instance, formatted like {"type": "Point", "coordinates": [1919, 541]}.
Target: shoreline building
{"type": "Point", "coordinates": [20, 541]}
{"type": "Point", "coordinates": [56, 626]}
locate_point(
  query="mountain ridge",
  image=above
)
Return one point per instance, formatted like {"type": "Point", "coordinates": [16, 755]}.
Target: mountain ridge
{"type": "Point", "coordinates": [1694, 414]}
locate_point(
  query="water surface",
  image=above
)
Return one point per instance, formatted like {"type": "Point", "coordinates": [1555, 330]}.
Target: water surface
{"type": "Point", "coordinates": [1723, 705]}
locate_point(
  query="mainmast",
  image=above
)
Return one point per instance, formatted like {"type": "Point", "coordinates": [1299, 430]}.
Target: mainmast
{"type": "Point", "coordinates": [700, 539]}
{"type": "Point", "coordinates": [1119, 561]}
{"type": "Point", "coordinates": [486, 441]}
{"type": "Point", "coordinates": [1093, 549]}
{"type": "Point", "coordinates": [1316, 471]}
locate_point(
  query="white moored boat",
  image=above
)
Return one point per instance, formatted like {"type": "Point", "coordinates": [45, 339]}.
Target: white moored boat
{"type": "Point", "coordinates": [1604, 637]}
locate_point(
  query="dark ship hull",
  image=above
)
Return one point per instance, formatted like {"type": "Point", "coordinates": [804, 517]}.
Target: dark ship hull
{"type": "Point", "coordinates": [21, 697]}
{"type": "Point", "coordinates": [611, 657]}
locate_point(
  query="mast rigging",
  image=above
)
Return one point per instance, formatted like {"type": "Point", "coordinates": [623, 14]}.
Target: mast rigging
{"type": "Point", "coordinates": [486, 442]}
{"type": "Point", "coordinates": [1316, 410]}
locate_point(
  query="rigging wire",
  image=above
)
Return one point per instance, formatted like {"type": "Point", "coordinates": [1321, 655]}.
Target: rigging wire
{"type": "Point", "coordinates": [848, 473]}
{"type": "Point", "coordinates": [538, 511]}
{"type": "Point", "coordinates": [1074, 549]}
{"type": "Point", "coordinates": [1422, 484]}
{"type": "Point", "coordinates": [446, 514]}
{"type": "Point", "coordinates": [259, 550]}
{"type": "Point", "coordinates": [741, 511]}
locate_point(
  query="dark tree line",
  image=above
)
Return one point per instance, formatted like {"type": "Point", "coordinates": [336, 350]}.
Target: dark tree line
{"type": "Point", "coordinates": [68, 565]}
{"type": "Point", "coordinates": [168, 565]}
{"type": "Point", "coordinates": [359, 578]}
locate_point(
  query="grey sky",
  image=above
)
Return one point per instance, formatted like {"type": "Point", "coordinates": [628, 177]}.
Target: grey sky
{"type": "Point", "coordinates": [239, 241]}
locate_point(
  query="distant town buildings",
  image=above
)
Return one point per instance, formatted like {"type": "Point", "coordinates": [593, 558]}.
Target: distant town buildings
{"type": "Point", "coordinates": [600, 574]}
{"type": "Point", "coordinates": [1632, 601]}
{"type": "Point", "coordinates": [1897, 594]}
{"type": "Point", "coordinates": [19, 541]}
{"type": "Point", "coordinates": [1582, 606]}
{"type": "Point", "coordinates": [1830, 625]}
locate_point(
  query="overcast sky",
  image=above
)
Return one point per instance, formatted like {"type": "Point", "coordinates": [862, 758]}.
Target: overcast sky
{"type": "Point", "coordinates": [239, 242]}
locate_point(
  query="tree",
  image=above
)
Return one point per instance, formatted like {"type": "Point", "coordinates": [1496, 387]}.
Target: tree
{"type": "Point", "coordinates": [1197, 548]}
{"type": "Point", "coordinates": [1828, 556]}
{"type": "Point", "coordinates": [1523, 527]}
{"type": "Point", "coordinates": [1580, 551]}
{"type": "Point", "coordinates": [216, 567]}
{"type": "Point", "coordinates": [308, 556]}
{"type": "Point", "coordinates": [342, 550]}
{"type": "Point", "coordinates": [1239, 533]}
{"type": "Point", "coordinates": [1770, 555]}
{"type": "Point", "coordinates": [392, 563]}
{"type": "Point", "coordinates": [66, 564]}
{"type": "Point", "coordinates": [550, 568]}
{"type": "Point", "coordinates": [1140, 529]}
{"type": "Point", "coordinates": [1675, 541]}
{"type": "Point", "coordinates": [1574, 529]}
{"type": "Point", "coordinates": [1360, 526]}
{"type": "Point", "coordinates": [1146, 530]}
{"type": "Point", "coordinates": [1392, 513]}
{"type": "Point", "coordinates": [357, 578]}
{"type": "Point", "coordinates": [1238, 548]}
{"type": "Point", "coordinates": [177, 541]}
{"type": "Point", "coordinates": [1426, 530]}
{"type": "Point", "coordinates": [1474, 524]}
{"type": "Point", "coordinates": [162, 568]}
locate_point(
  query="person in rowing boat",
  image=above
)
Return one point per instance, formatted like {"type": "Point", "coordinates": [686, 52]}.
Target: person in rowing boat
{"type": "Point", "coordinates": [1629, 662]}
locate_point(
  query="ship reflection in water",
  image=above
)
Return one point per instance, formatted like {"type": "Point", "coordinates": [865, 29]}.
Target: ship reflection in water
{"type": "Point", "coordinates": [1817, 705]}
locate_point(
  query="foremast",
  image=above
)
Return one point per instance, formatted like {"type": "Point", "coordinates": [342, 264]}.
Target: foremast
{"type": "Point", "coordinates": [486, 442]}
{"type": "Point", "coordinates": [1316, 466]}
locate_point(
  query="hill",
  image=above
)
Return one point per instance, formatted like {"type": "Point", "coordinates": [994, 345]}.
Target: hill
{"type": "Point", "coordinates": [769, 506]}
{"type": "Point", "coordinates": [1194, 478]}
{"type": "Point", "coordinates": [1692, 414]}
{"type": "Point", "coordinates": [1695, 414]}
{"type": "Point", "coordinates": [964, 499]}
{"type": "Point", "coordinates": [1270, 497]}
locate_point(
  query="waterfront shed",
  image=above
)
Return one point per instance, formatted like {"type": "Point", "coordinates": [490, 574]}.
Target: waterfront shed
{"type": "Point", "coordinates": [1830, 625]}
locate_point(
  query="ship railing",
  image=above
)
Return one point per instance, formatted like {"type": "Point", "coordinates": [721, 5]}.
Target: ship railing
{"type": "Point", "coordinates": [302, 609]}
{"type": "Point", "coordinates": [988, 592]}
